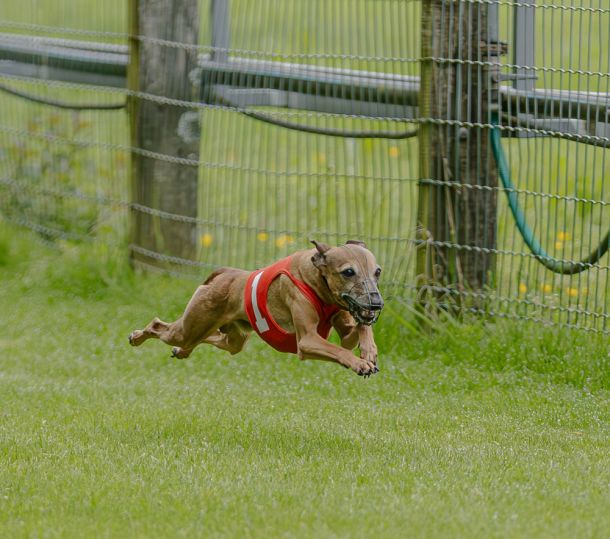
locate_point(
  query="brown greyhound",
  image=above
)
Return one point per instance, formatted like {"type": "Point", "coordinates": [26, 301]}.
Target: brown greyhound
{"type": "Point", "coordinates": [291, 304]}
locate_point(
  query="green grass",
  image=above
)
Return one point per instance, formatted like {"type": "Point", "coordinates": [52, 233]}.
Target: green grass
{"type": "Point", "coordinates": [468, 432]}
{"type": "Point", "coordinates": [259, 181]}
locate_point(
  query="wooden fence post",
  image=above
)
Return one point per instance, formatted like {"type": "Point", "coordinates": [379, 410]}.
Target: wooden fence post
{"type": "Point", "coordinates": [457, 199]}
{"type": "Point", "coordinates": [161, 180]}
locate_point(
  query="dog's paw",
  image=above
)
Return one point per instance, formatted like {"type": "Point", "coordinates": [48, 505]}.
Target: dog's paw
{"type": "Point", "coordinates": [369, 354]}
{"type": "Point", "coordinates": [136, 337]}
{"type": "Point", "coordinates": [374, 371]}
{"type": "Point", "coordinates": [180, 353]}
{"type": "Point", "coordinates": [363, 367]}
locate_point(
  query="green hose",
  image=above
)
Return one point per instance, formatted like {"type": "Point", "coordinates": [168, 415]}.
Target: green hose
{"type": "Point", "coordinates": [555, 265]}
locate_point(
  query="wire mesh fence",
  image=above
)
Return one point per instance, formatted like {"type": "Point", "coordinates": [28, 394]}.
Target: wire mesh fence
{"type": "Point", "coordinates": [295, 119]}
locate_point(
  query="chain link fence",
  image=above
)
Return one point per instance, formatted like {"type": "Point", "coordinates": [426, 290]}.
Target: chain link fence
{"type": "Point", "coordinates": [464, 140]}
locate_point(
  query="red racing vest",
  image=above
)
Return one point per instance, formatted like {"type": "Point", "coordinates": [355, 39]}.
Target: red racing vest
{"type": "Point", "coordinates": [255, 301]}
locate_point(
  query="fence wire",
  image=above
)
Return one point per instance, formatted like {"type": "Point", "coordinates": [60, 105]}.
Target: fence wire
{"type": "Point", "coordinates": [302, 115]}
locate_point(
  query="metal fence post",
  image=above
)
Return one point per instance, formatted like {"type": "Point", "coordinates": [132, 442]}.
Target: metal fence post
{"type": "Point", "coordinates": [457, 196]}
{"type": "Point", "coordinates": [524, 44]}
{"type": "Point", "coordinates": [164, 171]}
{"type": "Point", "coordinates": [219, 11]}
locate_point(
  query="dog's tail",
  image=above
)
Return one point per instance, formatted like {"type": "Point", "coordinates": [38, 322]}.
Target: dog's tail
{"type": "Point", "coordinates": [215, 274]}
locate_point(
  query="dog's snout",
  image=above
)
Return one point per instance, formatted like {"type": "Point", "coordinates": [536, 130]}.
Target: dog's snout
{"type": "Point", "coordinates": [377, 306]}
{"type": "Point", "coordinates": [376, 301]}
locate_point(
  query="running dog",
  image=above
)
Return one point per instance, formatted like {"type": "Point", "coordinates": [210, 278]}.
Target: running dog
{"type": "Point", "coordinates": [292, 305]}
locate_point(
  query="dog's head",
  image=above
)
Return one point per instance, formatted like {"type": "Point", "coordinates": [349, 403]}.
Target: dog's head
{"type": "Point", "coordinates": [351, 273]}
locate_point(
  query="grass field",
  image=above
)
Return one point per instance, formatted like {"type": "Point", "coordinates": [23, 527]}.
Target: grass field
{"type": "Point", "coordinates": [467, 432]}
{"type": "Point", "coordinates": [266, 190]}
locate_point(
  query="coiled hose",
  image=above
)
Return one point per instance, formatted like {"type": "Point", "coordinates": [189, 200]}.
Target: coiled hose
{"type": "Point", "coordinates": [558, 266]}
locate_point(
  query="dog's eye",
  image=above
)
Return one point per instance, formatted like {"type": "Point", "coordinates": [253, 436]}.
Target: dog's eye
{"type": "Point", "coordinates": [349, 272]}
{"type": "Point", "coordinates": [377, 272]}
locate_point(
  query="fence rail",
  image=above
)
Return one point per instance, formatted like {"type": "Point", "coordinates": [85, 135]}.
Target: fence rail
{"type": "Point", "coordinates": [243, 82]}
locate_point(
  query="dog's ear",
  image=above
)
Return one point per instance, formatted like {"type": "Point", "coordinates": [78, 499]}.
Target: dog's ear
{"type": "Point", "coordinates": [356, 242]}
{"type": "Point", "coordinates": [319, 259]}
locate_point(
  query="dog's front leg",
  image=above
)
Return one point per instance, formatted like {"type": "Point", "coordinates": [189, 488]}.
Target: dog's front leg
{"type": "Point", "coordinates": [312, 346]}
{"type": "Point", "coordinates": [368, 348]}
{"type": "Point", "coordinates": [347, 329]}
{"type": "Point", "coordinates": [353, 334]}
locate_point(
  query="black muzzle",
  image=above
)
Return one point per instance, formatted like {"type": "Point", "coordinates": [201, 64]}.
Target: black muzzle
{"type": "Point", "coordinates": [364, 313]}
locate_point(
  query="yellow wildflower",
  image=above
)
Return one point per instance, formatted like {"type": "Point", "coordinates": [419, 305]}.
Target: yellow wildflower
{"type": "Point", "coordinates": [207, 239]}
{"type": "Point", "coordinates": [283, 240]}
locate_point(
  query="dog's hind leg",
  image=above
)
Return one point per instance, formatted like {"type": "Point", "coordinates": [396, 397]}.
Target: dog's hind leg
{"type": "Point", "coordinates": [151, 331]}
{"type": "Point", "coordinates": [201, 318]}
{"type": "Point", "coordinates": [215, 303]}
{"type": "Point", "coordinates": [183, 334]}
{"type": "Point", "coordinates": [230, 337]}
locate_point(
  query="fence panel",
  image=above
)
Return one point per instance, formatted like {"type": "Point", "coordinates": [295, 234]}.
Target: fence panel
{"type": "Point", "coordinates": [305, 111]}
